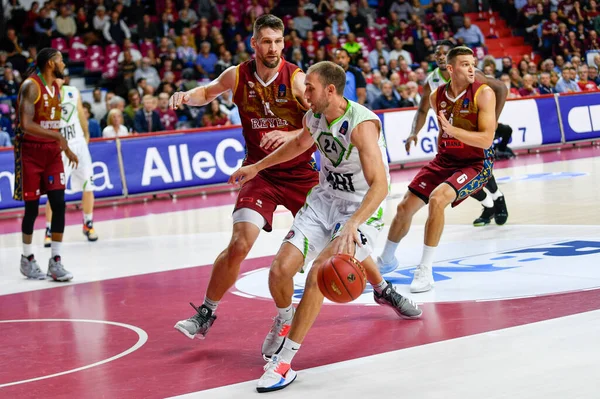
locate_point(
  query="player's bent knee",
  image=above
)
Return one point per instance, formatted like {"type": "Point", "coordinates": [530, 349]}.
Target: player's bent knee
{"type": "Point", "coordinates": [311, 280]}
{"type": "Point", "coordinates": [239, 248]}
{"type": "Point", "coordinates": [441, 199]}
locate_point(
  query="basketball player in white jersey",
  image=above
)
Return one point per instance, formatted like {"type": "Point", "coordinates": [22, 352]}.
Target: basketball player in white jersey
{"type": "Point", "coordinates": [342, 214]}
{"type": "Point", "coordinates": [74, 127]}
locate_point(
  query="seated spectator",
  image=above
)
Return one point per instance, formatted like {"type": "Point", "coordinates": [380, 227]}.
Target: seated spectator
{"type": "Point", "coordinates": [303, 23]}
{"type": "Point", "coordinates": [545, 85]}
{"type": "Point", "coordinates": [118, 103]}
{"type": "Point", "coordinates": [567, 83]}
{"type": "Point", "coordinates": [186, 53]}
{"type": "Point", "coordinates": [214, 116]}
{"type": "Point", "coordinates": [593, 74]}
{"type": "Point", "coordinates": [374, 88]}
{"type": "Point", "coordinates": [148, 72]}
{"type": "Point", "coordinates": [93, 124]}
{"type": "Point", "coordinates": [115, 30]}
{"type": "Point", "coordinates": [206, 62]}
{"type": "Point", "coordinates": [584, 83]}
{"type": "Point", "coordinates": [470, 34]}
{"type": "Point", "coordinates": [167, 115]}
{"type": "Point", "coordinates": [386, 100]}
{"type": "Point", "coordinates": [147, 120]}
{"type": "Point", "coordinates": [513, 92]}
{"type": "Point", "coordinates": [528, 90]}
{"type": "Point", "coordinates": [379, 51]}
{"type": "Point", "coordinates": [230, 109]}
{"type": "Point", "coordinates": [65, 23]}
{"type": "Point", "coordinates": [115, 127]}
{"type": "Point", "coordinates": [135, 103]}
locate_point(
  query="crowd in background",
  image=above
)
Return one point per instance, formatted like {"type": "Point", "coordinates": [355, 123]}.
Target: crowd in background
{"type": "Point", "coordinates": [386, 46]}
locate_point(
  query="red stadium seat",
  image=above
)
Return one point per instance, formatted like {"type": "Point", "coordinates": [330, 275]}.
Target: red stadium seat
{"type": "Point", "coordinates": [77, 55]}
{"type": "Point", "coordinates": [60, 44]}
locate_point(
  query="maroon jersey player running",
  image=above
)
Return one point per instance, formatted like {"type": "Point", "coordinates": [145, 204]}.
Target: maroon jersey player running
{"type": "Point", "coordinates": [269, 93]}
{"type": "Point", "coordinates": [466, 112]}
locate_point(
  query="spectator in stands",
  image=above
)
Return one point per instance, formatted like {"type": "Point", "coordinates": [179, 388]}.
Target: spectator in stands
{"type": "Point", "coordinates": [45, 28]}
{"type": "Point", "coordinates": [356, 22]}
{"type": "Point", "coordinates": [566, 83]}
{"type": "Point", "coordinates": [374, 88]}
{"type": "Point", "coordinates": [168, 117]}
{"type": "Point", "coordinates": [136, 55]}
{"type": "Point", "coordinates": [403, 9]}
{"type": "Point", "coordinates": [593, 74]}
{"type": "Point", "coordinates": [116, 31]}
{"type": "Point", "coordinates": [369, 13]}
{"type": "Point", "coordinates": [413, 93]}
{"type": "Point", "coordinates": [186, 53]}
{"type": "Point", "coordinates": [378, 51]}
{"type": "Point", "coordinates": [356, 86]}
{"type": "Point", "coordinates": [545, 85]}
{"type": "Point", "coordinates": [528, 90]}
{"type": "Point", "coordinates": [206, 62]}
{"type": "Point", "coordinates": [148, 72]}
{"type": "Point", "coordinates": [339, 26]}
{"type": "Point", "coordinates": [6, 129]}
{"type": "Point", "coordinates": [101, 19]}
{"type": "Point", "coordinates": [9, 85]}
{"type": "Point", "coordinates": [470, 34]}
{"type": "Point", "coordinates": [147, 120]}
{"type": "Point", "coordinates": [229, 108]}
{"type": "Point", "coordinates": [208, 9]}
{"type": "Point", "coordinates": [93, 124]}
{"type": "Point", "coordinates": [398, 51]}
{"type": "Point", "coordinates": [65, 23]}
{"type": "Point", "coordinates": [584, 83]}
{"type": "Point", "coordinates": [118, 103]}
{"type": "Point", "coordinates": [303, 23]}
{"type": "Point", "coordinates": [115, 127]}
{"type": "Point", "coordinates": [386, 100]}
{"type": "Point", "coordinates": [513, 92]}
{"type": "Point", "coordinates": [146, 28]}
{"type": "Point", "coordinates": [593, 41]}
{"type": "Point", "coordinates": [134, 103]}
{"type": "Point", "coordinates": [144, 88]}
{"type": "Point", "coordinates": [214, 116]}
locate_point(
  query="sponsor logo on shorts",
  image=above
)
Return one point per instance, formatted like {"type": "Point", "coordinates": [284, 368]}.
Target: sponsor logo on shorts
{"type": "Point", "coordinates": [259, 203]}
{"type": "Point", "coordinates": [290, 235]}
{"type": "Point", "coordinates": [50, 179]}
{"type": "Point", "coordinates": [422, 184]}
{"type": "Point", "coordinates": [246, 199]}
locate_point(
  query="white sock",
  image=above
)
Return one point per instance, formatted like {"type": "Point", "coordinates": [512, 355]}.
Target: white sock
{"type": "Point", "coordinates": [27, 249]}
{"type": "Point", "coordinates": [48, 225]}
{"type": "Point", "coordinates": [286, 313]}
{"type": "Point", "coordinates": [380, 287]}
{"type": "Point", "coordinates": [212, 305]}
{"type": "Point", "coordinates": [427, 259]}
{"type": "Point", "coordinates": [497, 195]}
{"type": "Point", "coordinates": [389, 251]}
{"type": "Point", "coordinates": [289, 350]}
{"type": "Point", "coordinates": [88, 217]}
{"type": "Point", "coordinates": [55, 246]}
{"type": "Point", "coordinates": [488, 202]}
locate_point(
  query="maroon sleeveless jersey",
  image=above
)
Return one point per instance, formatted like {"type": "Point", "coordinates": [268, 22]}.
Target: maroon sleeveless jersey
{"type": "Point", "coordinates": [267, 106]}
{"type": "Point", "coordinates": [47, 111]}
{"type": "Point", "coordinates": [463, 113]}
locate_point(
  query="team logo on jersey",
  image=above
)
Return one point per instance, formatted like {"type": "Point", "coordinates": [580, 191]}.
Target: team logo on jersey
{"type": "Point", "coordinates": [466, 103]}
{"type": "Point", "coordinates": [251, 85]}
{"type": "Point", "coordinates": [281, 91]}
{"type": "Point", "coordinates": [443, 104]}
{"type": "Point", "coordinates": [290, 235]}
{"type": "Point", "coordinates": [344, 128]}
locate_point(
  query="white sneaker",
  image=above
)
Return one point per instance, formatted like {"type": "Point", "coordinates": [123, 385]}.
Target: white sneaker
{"type": "Point", "coordinates": [278, 375]}
{"type": "Point", "coordinates": [276, 335]}
{"type": "Point", "coordinates": [422, 280]}
{"type": "Point", "coordinates": [387, 267]}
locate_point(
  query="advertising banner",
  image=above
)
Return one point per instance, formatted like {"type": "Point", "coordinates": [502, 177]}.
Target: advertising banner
{"type": "Point", "coordinates": [580, 116]}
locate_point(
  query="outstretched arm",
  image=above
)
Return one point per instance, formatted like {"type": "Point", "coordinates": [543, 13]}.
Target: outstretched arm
{"type": "Point", "coordinates": [420, 117]}
{"type": "Point", "coordinates": [203, 95]}
{"type": "Point", "coordinates": [291, 149]}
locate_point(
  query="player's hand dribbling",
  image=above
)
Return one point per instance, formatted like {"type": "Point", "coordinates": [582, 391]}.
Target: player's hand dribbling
{"type": "Point", "coordinates": [73, 160]}
{"type": "Point", "coordinates": [178, 99]}
{"type": "Point", "coordinates": [243, 175]}
{"type": "Point", "coordinates": [274, 139]}
{"type": "Point", "coordinates": [412, 138]}
{"type": "Point", "coordinates": [347, 240]}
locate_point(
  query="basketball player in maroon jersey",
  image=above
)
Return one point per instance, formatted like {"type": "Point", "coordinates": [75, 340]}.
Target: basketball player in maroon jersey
{"type": "Point", "coordinates": [269, 93]}
{"type": "Point", "coordinates": [466, 112]}
{"type": "Point", "coordinates": [38, 161]}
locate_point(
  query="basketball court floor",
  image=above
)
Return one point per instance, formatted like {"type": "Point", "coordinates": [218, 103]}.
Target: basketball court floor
{"type": "Point", "coordinates": [515, 312]}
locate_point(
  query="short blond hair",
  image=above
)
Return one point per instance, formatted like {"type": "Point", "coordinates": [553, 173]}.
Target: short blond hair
{"type": "Point", "coordinates": [111, 115]}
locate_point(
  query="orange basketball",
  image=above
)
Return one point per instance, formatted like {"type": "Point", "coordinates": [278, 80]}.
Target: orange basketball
{"type": "Point", "coordinates": [342, 278]}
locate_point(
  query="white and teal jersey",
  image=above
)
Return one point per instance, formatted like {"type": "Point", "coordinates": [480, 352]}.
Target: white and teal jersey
{"type": "Point", "coordinates": [435, 79]}
{"type": "Point", "coordinates": [341, 171]}
{"type": "Point", "coordinates": [70, 127]}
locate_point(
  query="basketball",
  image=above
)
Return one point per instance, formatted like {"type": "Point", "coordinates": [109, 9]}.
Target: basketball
{"type": "Point", "coordinates": [342, 278]}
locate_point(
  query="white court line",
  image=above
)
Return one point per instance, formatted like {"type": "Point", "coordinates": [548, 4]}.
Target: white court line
{"type": "Point", "coordinates": [142, 338]}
